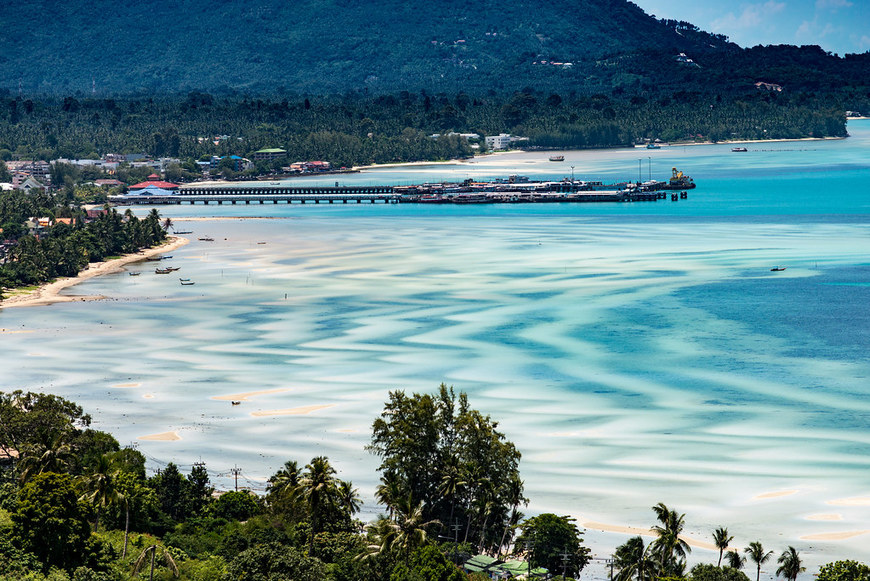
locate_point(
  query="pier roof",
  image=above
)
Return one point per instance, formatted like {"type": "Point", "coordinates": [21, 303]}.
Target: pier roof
{"type": "Point", "coordinates": [156, 184]}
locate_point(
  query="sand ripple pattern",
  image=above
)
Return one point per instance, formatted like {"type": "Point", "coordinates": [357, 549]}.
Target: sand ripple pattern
{"type": "Point", "coordinates": [631, 363]}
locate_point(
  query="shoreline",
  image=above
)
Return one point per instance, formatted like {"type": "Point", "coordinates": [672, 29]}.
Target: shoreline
{"type": "Point", "coordinates": [49, 293]}
{"type": "Point", "coordinates": [478, 158]}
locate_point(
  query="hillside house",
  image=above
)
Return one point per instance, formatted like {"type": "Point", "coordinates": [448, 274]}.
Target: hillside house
{"type": "Point", "coordinates": [269, 154]}
{"type": "Point", "coordinates": [773, 87]}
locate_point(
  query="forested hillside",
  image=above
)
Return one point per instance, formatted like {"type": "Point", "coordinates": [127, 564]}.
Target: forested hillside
{"type": "Point", "coordinates": [322, 46]}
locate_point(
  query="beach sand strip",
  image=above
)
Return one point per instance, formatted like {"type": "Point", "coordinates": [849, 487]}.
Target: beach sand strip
{"type": "Point", "coordinates": [48, 294]}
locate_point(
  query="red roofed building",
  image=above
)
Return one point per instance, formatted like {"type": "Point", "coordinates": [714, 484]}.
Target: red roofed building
{"type": "Point", "coordinates": [156, 183]}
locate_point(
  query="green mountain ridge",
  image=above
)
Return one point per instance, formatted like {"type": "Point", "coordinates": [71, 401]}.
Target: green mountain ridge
{"type": "Point", "coordinates": [333, 46]}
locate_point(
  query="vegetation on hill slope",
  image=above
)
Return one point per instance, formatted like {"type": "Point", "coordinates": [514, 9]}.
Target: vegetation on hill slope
{"type": "Point", "coordinates": [323, 46]}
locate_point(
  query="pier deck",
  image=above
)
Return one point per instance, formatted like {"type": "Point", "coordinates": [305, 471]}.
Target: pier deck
{"type": "Point", "coordinates": [275, 194]}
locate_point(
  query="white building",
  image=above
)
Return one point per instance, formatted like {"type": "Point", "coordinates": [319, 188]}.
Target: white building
{"type": "Point", "coordinates": [502, 141]}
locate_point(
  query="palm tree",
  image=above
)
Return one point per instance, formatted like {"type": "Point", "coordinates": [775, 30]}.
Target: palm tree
{"type": "Point", "coordinates": [348, 497]}
{"type": "Point", "coordinates": [669, 544]}
{"type": "Point", "coordinates": [318, 487]}
{"type": "Point", "coordinates": [389, 492]}
{"type": "Point", "coordinates": [284, 480]}
{"type": "Point", "coordinates": [632, 560]}
{"type": "Point", "coordinates": [452, 482]}
{"type": "Point", "coordinates": [170, 562]}
{"type": "Point", "coordinates": [167, 223]}
{"type": "Point", "coordinates": [721, 538]}
{"type": "Point", "coordinates": [410, 530]}
{"type": "Point", "coordinates": [790, 564]}
{"type": "Point", "coordinates": [54, 454]}
{"type": "Point", "coordinates": [758, 555]}
{"type": "Point", "coordinates": [734, 559]}
{"type": "Point", "coordinates": [513, 495]}
{"type": "Point", "coordinates": [99, 488]}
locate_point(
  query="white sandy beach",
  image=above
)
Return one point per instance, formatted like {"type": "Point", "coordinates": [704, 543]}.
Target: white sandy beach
{"type": "Point", "coordinates": [50, 293]}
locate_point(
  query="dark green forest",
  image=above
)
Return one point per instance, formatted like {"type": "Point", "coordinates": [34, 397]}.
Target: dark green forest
{"type": "Point", "coordinates": [355, 130]}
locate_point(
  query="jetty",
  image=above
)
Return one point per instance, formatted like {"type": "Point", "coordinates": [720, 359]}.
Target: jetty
{"type": "Point", "coordinates": [513, 190]}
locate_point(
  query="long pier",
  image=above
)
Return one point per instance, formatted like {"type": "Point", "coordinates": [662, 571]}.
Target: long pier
{"type": "Point", "coordinates": [553, 192]}
{"type": "Point", "coordinates": [271, 194]}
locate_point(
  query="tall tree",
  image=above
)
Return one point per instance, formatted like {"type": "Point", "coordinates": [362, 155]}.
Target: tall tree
{"type": "Point", "coordinates": [557, 543]}
{"type": "Point", "coordinates": [49, 522]}
{"type": "Point", "coordinates": [721, 539]}
{"type": "Point", "coordinates": [670, 549]}
{"type": "Point", "coordinates": [844, 571]}
{"type": "Point", "coordinates": [632, 561]}
{"type": "Point", "coordinates": [319, 488]}
{"type": "Point", "coordinates": [734, 559]}
{"type": "Point", "coordinates": [99, 488]}
{"type": "Point", "coordinates": [757, 555]}
{"type": "Point", "coordinates": [790, 565]}
{"type": "Point", "coordinates": [449, 458]}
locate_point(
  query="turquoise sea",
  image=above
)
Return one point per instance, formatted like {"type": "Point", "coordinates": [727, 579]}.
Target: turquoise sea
{"type": "Point", "coordinates": [635, 353]}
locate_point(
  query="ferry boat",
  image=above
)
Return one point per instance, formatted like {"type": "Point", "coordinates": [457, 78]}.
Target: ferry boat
{"type": "Point", "coordinates": [557, 158]}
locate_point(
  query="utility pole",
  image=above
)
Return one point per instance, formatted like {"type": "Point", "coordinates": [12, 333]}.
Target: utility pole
{"type": "Point", "coordinates": [530, 547]}
{"type": "Point", "coordinates": [564, 554]}
{"type": "Point", "coordinates": [456, 527]}
{"type": "Point", "coordinates": [235, 472]}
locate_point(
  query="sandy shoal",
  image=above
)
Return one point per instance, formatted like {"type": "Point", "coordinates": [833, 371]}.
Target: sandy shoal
{"type": "Point", "coordinates": [50, 293]}
{"type": "Point", "coordinates": [249, 394]}
{"type": "Point", "coordinates": [300, 411]}
{"type": "Point", "coordinates": [161, 437]}
{"type": "Point", "coordinates": [845, 535]}
{"type": "Point", "coordinates": [776, 494]}
{"type": "Point", "coordinates": [628, 530]}
{"type": "Point", "coordinates": [854, 501]}
{"type": "Point", "coordinates": [824, 517]}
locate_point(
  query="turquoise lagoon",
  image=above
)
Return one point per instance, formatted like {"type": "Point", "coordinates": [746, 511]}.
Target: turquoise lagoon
{"type": "Point", "coordinates": [635, 353]}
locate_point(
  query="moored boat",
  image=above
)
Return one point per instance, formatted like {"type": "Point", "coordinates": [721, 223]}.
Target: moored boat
{"type": "Point", "coordinates": [738, 149]}
{"type": "Point", "coordinates": [557, 158]}
{"type": "Point", "coordinates": [680, 181]}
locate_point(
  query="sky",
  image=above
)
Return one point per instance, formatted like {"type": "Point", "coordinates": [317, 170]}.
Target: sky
{"type": "Point", "coordinates": [838, 26]}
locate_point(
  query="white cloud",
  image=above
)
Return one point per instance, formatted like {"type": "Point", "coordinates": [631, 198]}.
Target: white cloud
{"type": "Point", "coordinates": [753, 15]}
{"type": "Point", "coordinates": [811, 32]}
{"type": "Point", "coordinates": [832, 4]}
